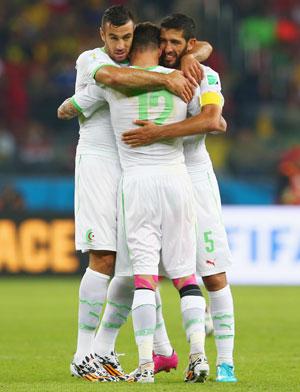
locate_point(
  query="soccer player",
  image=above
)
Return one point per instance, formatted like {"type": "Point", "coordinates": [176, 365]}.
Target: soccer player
{"type": "Point", "coordinates": [165, 223]}
{"type": "Point", "coordinates": [95, 196]}
{"type": "Point", "coordinates": [213, 255]}
{"type": "Point", "coordinates": [116, 100]}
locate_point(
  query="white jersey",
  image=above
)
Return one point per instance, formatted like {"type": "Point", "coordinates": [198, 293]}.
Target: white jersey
{"type": "Point", "coordinates": [96, 135]}
{"type": "Point", "coordinates": [160, 107]}
{"type": "Point", "coordinates": [195, 151]}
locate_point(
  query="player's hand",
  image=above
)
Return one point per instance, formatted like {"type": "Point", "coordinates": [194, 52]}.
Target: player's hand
{"type": "Point", "coordinates": [223, 124]}
{"type": "Point", "coordinates": [180, 86]}
{"type": "Point", "coordinates": [222, 127]}
{"type": "Point", "coordinates": [191, 69]}
{"type": "Point", "coordinates": [67, 110]}
{"type": "Point", "coordinates": [147, 133]}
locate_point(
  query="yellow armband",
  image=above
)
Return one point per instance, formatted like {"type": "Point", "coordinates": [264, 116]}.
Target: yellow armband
{"type": "Point", "coordinates": [211, 98]}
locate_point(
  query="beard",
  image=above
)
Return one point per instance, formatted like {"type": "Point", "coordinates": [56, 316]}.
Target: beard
{"type": "Point", "coordinates": [175, 63]}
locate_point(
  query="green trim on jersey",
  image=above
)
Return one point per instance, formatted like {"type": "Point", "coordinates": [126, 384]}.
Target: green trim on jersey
{"type": "Point", "coordinates": [101, 66]}
{"type": "Point", "coordinates": [73, 101]}
{"type": "Point", "coordinates": [163, 71]}
{"type": "Point", "coordinates": [124, 62]}
{"type": "Point", "coordinates": [145, 68]}
{"type": "Point", "coordinates": [121, 62]}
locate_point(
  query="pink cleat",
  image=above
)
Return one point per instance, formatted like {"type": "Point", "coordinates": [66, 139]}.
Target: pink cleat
{"type": "Point", "coordinates": [163, 363]}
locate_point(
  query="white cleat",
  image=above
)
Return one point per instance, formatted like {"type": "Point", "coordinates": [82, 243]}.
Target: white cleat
{"type": "Point", "coordinates": [87, 370]}
{"type": "Point", "coordinates": [144, 373]}
{"type": "Point", "coordinates": [112, 366]}
{"type": "Point", "coordinates": [198, 370]}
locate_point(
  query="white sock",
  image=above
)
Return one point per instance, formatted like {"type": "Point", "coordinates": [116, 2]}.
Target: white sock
{"type": "Point", "coordinates": [193, 314]}
{"type": "Point", "coordinates": [92, 295]}
{"type": "Point", "coordinates": [144, 322]}
{"type": "Point", "coordinates": [161, 344]}
{"type": "Point", "coordinates": [119, 301]}
{"type": "Point", "coordinates": [222, 312]}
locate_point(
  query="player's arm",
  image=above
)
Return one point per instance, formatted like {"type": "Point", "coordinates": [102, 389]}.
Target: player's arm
{"type": "Point", "coordinates": [89, 96]}
{"type": "Point", "coordinates": [85, 102]}
{"type": "Point", "coordinates": [133, 79]}
{"type": "Point", "coordinates": [67, 110]}
{"type": "Point", "coordinates": [209, 120]}
{"type": "Point", "coordinates": [190, 62]}
{"type": "Point", "coordinates": [206, 109]}
{"type": "Point", "coordinates": [201, 51]}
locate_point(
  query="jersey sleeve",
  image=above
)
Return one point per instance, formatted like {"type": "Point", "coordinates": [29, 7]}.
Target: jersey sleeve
{"type": "Point", "coordinates": [97, 60]}
{"type": "Point", "coordinates": [210, 88]}
{"type": "Point", "coordinates": [194, 106]}
{"type": "Point", "coordinates": [89, 99]}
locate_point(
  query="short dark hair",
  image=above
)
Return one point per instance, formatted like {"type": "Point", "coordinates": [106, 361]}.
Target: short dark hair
{"type": "Point", "coordinates": [117, 15]}
{"type": "Point", "coordinates": [146, 35]}
{"type": "Point", "coordinates": [180, 22]}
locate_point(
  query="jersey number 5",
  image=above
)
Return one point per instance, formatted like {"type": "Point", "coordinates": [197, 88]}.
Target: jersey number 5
{"type": "Point", "coordinates": [209, 242]}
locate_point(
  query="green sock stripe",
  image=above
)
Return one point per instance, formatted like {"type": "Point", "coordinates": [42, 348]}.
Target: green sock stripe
{"type": "Point", "coordinates": [223, 316]}
{"type": "Point", "coordinates": [111, 325]}
{"type": "Point", "coordinates": [221, 337]}
{"type": "Point", "coordinates": [226, 325]}
{"type": "Point", "coordinates": [158, 307]}
{"type": "Point", "coordinates": [159, 325]}
{"type": "Point", "coordinates": [90, 303]}
{"type": "Point", "coordinates": [94, 314]}
{"type": "Point", "coordinates": [139, 306]}
{"type": "Point", "coordinates": [121, 316]}
{"type": "Point", "coordinates": [191, 322]}
{"type": "Point", "coordinates": [119, 306]}
{"type": "Point", "coordinates": [144, 332]}
{"type": "Point", "coordinates": [86, 327]}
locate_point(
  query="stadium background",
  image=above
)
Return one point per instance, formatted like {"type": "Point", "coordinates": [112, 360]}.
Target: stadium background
{"type": "Point", "coordinates": [256, 51]}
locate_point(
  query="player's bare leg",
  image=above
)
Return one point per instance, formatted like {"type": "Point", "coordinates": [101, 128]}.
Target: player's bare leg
{"type": "Point", "coordinates": [221, 305]}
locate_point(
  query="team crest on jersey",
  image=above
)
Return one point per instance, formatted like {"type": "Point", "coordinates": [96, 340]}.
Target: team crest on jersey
{"type": "Point", "coordinates": [89, 236]}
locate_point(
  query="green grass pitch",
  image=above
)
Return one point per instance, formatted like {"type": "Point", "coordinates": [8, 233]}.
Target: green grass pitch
{"type": "Point", "coordinates": [38, 337]}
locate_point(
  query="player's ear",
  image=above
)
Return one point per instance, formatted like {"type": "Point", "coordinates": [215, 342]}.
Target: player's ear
{"type": "Point", "coordinates": [159, 52]}
{"type": "Point", "coordinates": [191, 44]}
{"type": "Point", "coordinates": [102, 35]}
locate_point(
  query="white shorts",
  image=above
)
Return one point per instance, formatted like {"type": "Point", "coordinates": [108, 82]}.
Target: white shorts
{"type": "Point", "coordinates": [213, 254]}
{"type": "Point", "coordinates": [158, 218]}
{"type": "Point", "coordinates": [96, 184]}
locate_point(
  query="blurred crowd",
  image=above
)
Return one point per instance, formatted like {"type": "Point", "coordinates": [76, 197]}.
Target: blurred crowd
{"type": "Point", "coordinates": [256, 51]}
